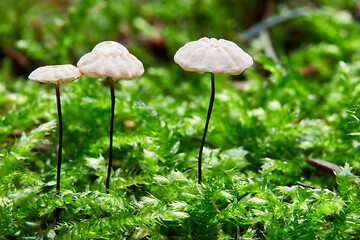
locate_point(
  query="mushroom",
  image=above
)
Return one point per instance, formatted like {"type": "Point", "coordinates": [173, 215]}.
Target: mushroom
{"type": "Point", "coordinates": [111, 60]}
{"type": "Point", "coordinates": [214, 56]}
{"type": "Point", "coordinates": [57, 74]}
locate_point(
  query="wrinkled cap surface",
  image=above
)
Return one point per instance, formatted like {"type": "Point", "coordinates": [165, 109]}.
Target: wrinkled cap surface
{"type": "Point", "coordinates": [212, 55]}
{"type": "Point", "coordinates": [110, 59]}
{"type": "Point", "coordinates": [55, 74]}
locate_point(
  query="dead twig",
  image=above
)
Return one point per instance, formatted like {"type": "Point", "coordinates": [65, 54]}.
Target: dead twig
{"type": "Point", "coordinates": [305, 185]}
{"type": "Point", "coordinates": [273, 21]}
{"type": "Point", "coordinates": [324, 165]}
{"type": "Point", "coordinates": [15, 55]}
{"type": "Point", "coordinates": [327, 166]}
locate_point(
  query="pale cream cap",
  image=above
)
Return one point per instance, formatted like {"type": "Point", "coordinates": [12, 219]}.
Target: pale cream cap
{"type": "Point", "coordinates": [212, 55]}
{"type": "Point", "coordinates": [110, 59]}
{"type": "Point", "coordinates": [55, 74]}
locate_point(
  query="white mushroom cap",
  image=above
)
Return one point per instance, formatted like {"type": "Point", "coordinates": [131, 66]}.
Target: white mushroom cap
{"type": "Point", "coordinates": [55, 74]}
{"type": "Point", "coordinates": [212, 55]}
{"type": "Point", "coordinates": [110, 59]}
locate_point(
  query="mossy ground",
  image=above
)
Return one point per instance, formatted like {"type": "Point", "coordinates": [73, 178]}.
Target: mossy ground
{"type": "Point", "coordinates": [265, 124]}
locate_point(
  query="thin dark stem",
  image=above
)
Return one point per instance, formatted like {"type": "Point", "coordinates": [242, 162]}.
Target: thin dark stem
{"type": "Point", "coordinates": [112, 93]}
{"type": "Point", "coordinates": [57, 88]}
{"type": "Point", "coordinates": [211, 103]}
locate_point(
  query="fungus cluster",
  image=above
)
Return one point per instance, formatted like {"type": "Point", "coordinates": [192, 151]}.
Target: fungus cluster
{"type": "Point", "coordinates": [111, 60]}
{"type": "Point", "coordinates": [107, 60]}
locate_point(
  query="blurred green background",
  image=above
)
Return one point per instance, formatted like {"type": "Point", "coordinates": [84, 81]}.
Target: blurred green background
{"type": "Point", "coordinates": [35, 33]}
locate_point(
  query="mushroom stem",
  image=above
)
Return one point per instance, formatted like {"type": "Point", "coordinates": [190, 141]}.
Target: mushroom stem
{"type": "Point", "coordinates": [57, 88]}
{"type": "Point", "coordinates": [211, 103]}
{"type": "Point", "coordinates": [112, 93]}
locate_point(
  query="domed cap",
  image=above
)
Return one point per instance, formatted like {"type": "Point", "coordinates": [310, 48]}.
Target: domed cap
{"type": "Point", "coordinates": [110, 59]}
{"type": "Point", "coordinates": [55, 74]}
{"type": "Point", "coordinates": [212, 55]}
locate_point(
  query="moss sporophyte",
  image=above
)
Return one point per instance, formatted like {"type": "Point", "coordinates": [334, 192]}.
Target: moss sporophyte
{"type": "Point", "coordinates": [57, 74]}
{"type": "Point", "coordinates": [110, 60]}
{"type": "Point", "coordinates": [214, 56]}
